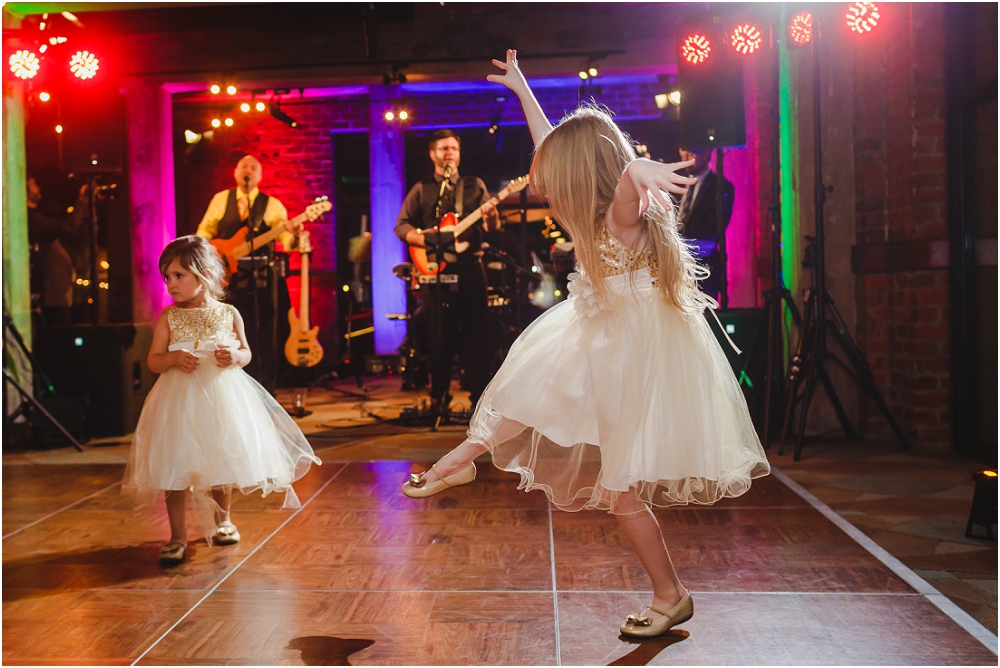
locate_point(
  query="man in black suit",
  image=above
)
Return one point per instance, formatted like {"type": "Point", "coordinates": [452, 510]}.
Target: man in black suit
{"type": "Point", "coordinates": [699, 216]}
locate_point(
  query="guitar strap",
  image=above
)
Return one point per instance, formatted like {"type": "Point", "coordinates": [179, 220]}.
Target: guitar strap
{"type": "Point", "coordinates": [231, 223]}
{"type": "Point", "coordinates": [459, 202]}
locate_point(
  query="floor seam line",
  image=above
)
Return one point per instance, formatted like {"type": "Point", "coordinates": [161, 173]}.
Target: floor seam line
{"type": "Point", "coordinates": [969, 623]}
{"type": "Point", "coordinates": [237, 566]}
{"type": "Point", "coordinates": [555, 588]}
{"type": "Point", "coordinates": [64, 508]}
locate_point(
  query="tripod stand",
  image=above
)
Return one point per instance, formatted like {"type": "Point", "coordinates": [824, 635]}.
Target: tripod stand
{"type": "Point", "coordinates": [811, 354]}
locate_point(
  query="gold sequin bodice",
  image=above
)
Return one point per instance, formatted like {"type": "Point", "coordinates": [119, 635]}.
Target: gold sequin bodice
{"type": "Point", "coordinates": [199, 324]}
{"type": "Point", "coordinates": [618, 259]}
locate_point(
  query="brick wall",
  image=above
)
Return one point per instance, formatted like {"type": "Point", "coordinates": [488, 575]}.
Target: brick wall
{"type": "Point", "coordinates": [900, 196]}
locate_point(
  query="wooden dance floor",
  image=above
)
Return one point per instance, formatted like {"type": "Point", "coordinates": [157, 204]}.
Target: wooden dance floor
{"type": "Point", "coordinates": [481, 574]}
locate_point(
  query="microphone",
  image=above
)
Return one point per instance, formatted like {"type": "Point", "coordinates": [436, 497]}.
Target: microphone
{"type": "Point", "coordinates": [447, 170]}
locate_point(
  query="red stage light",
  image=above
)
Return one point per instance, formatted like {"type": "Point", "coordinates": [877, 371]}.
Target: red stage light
{"type": "Point", "coordinates": [746, 38]}
{"type": "Point", "coordinates": [862, 17]}
{"type": "Point", "coordinates": [24, 64]}
{"type": "Point", "coordinates": [800, 28]}
{"type": "Point", "coordinates": [696, 48]}
{"type": "Point", "coordinates": [84, 64]}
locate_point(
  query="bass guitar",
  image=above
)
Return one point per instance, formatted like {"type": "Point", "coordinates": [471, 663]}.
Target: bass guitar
{"type": "Point", "coordinates": [302, 348]}
{"type": "Point", "coordinates": [237, 246]}
{"type": "Point", "coordinates": [450, 224]}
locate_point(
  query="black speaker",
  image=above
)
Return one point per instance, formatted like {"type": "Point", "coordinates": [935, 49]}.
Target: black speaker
{"type": "Point", "coordinates": [106, 363]}
{"type": "Point", "coordinates": [711, 110]}
{"type": "Point", "coordinates": [742, 325]}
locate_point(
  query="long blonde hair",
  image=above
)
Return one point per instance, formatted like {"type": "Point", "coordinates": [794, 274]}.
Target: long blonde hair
{"type": "Point", "coordinates": [576, 168]}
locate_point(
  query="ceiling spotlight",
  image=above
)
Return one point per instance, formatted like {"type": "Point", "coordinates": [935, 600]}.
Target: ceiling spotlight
{"type": "Point", "coordinates": [214, 89]}
{"type": "Point", "coordinates": [662, 101]}
{"type": "Point", "coordinates": [229, 122]}
{"type": "Point", "coordinates": [695, 48]}
{"type": "Point", "coordinates": [84, 64]}
{"type": "Point", "coordinates": [277, 113]}
{"type": "Point", "coordinates": [59, 129]}
{"type": "Point", "coordinates": [216, 123]}
{"type": "Point", "coordinates": [389, 115]}
{"type": "Point", "coordinates": [245, 107]}
{"type": "Point", "coordinates": [800, 28]}
{"type": "Point", "coordinates": [24, 64]}
{"type": "Point", "coordinates": [592, 71]}
{"type": "Point", "coordinates": [44, 97]}
{"type": "Point", "coordinates": [675, 97]}
{"type": "Point", "coordinates": [403, 115]}
{"type": "Point", "coordinates": [231, 89]}
{"type": "Point", "coordinates": [191, 137]}
{"type": "Point", "coordinates": [260, 106]}
{"type": "Point", "coordinates": [584, 75]}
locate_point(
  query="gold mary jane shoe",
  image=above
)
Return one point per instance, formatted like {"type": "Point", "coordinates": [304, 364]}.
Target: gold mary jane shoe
{"type": "Point", "coordinates": [227, 534]}
{"type": "Point", "coordinates": [644, 627]}
{"type": "Point", "coordinates": [418, 488]}
{"type": "Point", "coordinates": [172, 553]}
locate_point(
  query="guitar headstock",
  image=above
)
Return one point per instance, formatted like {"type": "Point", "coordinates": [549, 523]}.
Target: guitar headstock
{"type": "Point", "coordinates": [304, 245]}
{"type": "Point", "coordinates": [516, 185]}
{"type": "Point", "coordinates": [319, 206]}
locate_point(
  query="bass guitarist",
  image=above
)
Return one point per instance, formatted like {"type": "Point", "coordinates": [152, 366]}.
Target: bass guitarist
{"type": "Point", "coordinates": [229, 212]}
{"type": "Point", "coordinates": [455, 312]}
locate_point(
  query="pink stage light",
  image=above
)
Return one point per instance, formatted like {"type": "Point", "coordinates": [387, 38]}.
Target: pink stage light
{"type": "Point", "coordinates": [696, 48]}
{"type": "Point", "coordinates": [746, 39]}
{"type": "Point", "coordinates": [862, 17]}
{"type": "Point", "coordinates": [84, 64]}
{"type": "Point", "coordinates": [800, 28]}
{"type": "Point", "coordinates": [24, 64]}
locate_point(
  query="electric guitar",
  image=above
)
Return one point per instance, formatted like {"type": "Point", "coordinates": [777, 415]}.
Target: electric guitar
{"type": "Point", "coordinates": [302, 348]}
{"type": "Point", "coordinates": [449, 224]}
{"type": "Point", "coordinates": [236, 246]}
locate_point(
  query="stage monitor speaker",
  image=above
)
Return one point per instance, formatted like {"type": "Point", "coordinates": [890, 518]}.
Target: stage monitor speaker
{"type": "Point", "coordinates": [107, 363]}
{"type": "Point", "coordinates": [711, 110]}
{"type": "Point", "coordinates": [741, 324]}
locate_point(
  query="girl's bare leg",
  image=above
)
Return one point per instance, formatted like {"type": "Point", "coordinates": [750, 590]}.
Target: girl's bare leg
{"type": "Point", "coordinates": [223, 498]}
{"type": "Point", "coordinates": [177, 512]}
{"type": "Point", "coordinates": [643, 532]}
{"type": "Point", "coordinates": [459, 458]}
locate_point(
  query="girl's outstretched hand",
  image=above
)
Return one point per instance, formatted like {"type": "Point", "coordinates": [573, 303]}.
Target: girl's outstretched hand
{"type": "Point", "coordinates": [648, 178]}
{"type": "Point", "coordinates": [512, 77]}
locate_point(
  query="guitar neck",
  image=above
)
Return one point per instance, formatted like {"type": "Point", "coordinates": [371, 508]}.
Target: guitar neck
{"type": "Point", "coordinates": [304, 294]}
{"type": "Point", "coordinates": [474, 217]}
{"type": "Point", "coordinates": [266, 237]}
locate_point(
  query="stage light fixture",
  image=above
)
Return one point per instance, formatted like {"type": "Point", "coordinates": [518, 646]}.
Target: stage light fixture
{"type": "Point", "coordinates": [696, 48]}
{"type": "Point", "coordinates": [746, 39]}
{"type": "Point", "coordinates": [84, 64]}
{"type": "Point", "coordinates": [216, 123]}
{"type": "Point", "coordinates": [229, 122]}
{"type": "Point", "coordinates": [675, 97]}
{"type": "Point", "coordinates": [403, 115]}
{"type": "Point", "coordinates": [277, 113]}
{"type": "Point", "coordinates": [390, 115]}
{"type": "Point", "coordinates": [245, 107]}
{"type": "Point", "coordinates": [59, 129]}
{"type": "Point", "coordinates": [661, 100]}
{"type": "Point", "coordinates": [260, 106]}
{"type": "Point", "coordinates": [44, 97]}
{"type": "Point", "coordinates": [191, 137]}
{"type": "Point", "coordinates": [215, 89]}
{"type": "Point", "coordinates": [231, 89]}
{"type": "Point", "coordinates": [800, 28]}
{"type": "Point", "coordinates": [583, 75]}
{"type": "Point", "coordinates": [592, 71]}
{"type": "Point", "coordinates": [862, 17]}
{"type": "Point", "coordinates": [24, 64]}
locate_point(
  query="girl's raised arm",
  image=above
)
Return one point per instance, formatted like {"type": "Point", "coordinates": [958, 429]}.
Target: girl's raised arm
{"type": "Point", "coordinates": [641, 180]}
{"type": "Point", "coordinates": [513, 79]}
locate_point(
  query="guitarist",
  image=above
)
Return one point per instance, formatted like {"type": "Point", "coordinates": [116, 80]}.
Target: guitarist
{"type": "Point", "coordinates": [228, 213]}
{"type": "Point", "coordinates": [455, 313]}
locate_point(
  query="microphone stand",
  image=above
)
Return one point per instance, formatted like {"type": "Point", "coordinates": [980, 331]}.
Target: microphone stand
{"type": "Point", "coordinates": [250, 235]}
{"type": "Point", "coordinates": [437, 256]}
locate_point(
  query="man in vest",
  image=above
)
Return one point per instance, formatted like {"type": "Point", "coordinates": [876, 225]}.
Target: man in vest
{"type": "Point", "coordinates": [456, 312]}
{"type": "Point", "coordinates": [228, 213]}
{"type": "Point", "coordinates": [700, 219]}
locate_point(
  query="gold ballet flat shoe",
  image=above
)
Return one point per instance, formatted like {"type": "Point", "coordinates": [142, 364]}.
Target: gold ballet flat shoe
{"type": "Point", "coordinates": [172, 553]}
{"type": "Point", "coordinates": [644, 627]}
{"type": "Point", "coordinates": [227, 534]}
{"type": "Point", "coordinates": [418, 488]}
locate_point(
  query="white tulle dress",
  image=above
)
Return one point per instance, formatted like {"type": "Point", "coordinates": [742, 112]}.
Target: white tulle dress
{"type": "Point", "coordinates": [596, 399]}
{"type": "Point", "coordinates": [215, 427]}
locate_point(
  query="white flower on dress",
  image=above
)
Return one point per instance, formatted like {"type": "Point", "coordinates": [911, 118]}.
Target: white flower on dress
{"type": "Point", "coordinates": [581, 291]}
